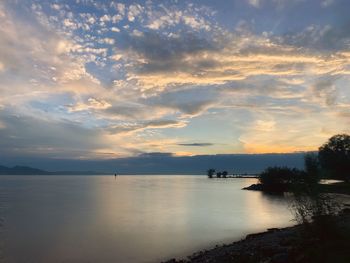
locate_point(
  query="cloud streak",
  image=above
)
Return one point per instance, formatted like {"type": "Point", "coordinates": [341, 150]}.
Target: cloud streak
{"type": "Point", "coordinates": [196, 144]}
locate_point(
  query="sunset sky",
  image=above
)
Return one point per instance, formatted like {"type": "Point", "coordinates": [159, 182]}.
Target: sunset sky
{"type": "Point", "coordinates": [87, 79]}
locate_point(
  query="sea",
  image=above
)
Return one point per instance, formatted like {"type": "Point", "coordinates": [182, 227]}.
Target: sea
{"type": "Point", "coordinates": [138, 218]}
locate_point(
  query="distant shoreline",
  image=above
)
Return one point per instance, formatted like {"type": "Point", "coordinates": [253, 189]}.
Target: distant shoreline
{"type": "Point", "coordinates": [26, 171]}
{"type": "Point", "coordinates": [121, 175]}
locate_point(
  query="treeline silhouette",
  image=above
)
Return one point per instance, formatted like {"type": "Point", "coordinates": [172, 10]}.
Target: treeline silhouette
{"type": "Point", "coordinates": [310, 199]}
{"type": "Point", "coordinates": [332, 161]}
{"type": "Point", "coordinates": [211, 173]}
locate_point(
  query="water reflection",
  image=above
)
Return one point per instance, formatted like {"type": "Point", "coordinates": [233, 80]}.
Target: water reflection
{"type": "Point", "coordinates": [130, 219]}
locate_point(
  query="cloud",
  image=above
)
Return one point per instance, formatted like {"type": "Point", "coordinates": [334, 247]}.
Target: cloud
{"type": "Point", "coordinates": [130, 74]}
{"type": "Point", "coordinates": [105, 18]}
{"type": "Point", "coordinates": [118, 7]}
{"type": "Point", "coordinates": [320, 37]}
{"type": "Point", "coordinates": [326, 3]}
{"type": "Point", "coordinates": [25, 135]}
{"type": "Point", "coordinates": [193, 17]}
{"type": "Point", "coordinates": [198, 144]}
{"type": "Point", "coordinates": [136, 127]}
{"type": "Point", "coordinates": [115, 29]}
{"type": "Point", "coordinates": [325, 89]}
{"type": "Point", "coordinates": [134, 11]}
{"type": "Point", "coordinates": [157, 61]}
{"type": "Point", "coordinates": [255, 3]}
{"type": "Point", "coordinates": [154, 47]}
{"type": "Point", "coordinates": [107, 40]}
{"type": "Point", "coordinates": [184, 101]}
{"type": "Point", "coordinates": [92, 104]}
{"type": "Point", "coordinates": [44, 66]}
{"type": "Point", "coordinates": [55, 6]}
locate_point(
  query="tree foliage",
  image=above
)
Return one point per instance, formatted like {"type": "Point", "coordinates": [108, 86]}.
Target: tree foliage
{"type": "Point", "coordinates": [334, 156]}
{"type": "Point", "coordinates": [210, 173]}
{"type": "Point", "coordinates": [308, 202]}
{"type": "Point", "coordinates": [312, 169]}
{"type": "Point", "coordinates": [279, 179]}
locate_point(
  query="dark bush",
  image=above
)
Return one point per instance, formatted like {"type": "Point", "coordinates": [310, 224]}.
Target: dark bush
{"type": "Point", "coordinates": [279, 179]}
{"type": "Point", "coordinates": [312, 168]}
{"type": "Point", "coordinates": [334, 156]}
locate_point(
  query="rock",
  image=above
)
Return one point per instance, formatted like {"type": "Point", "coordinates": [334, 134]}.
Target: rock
{"type": "Point", "coordinates": [346, 211]}
{"type": "Point", "coordinates": [254, 187]}
{"type": "Point", "coordinates": [173, 260]}
{"type": "Point", "coordinates": [251, 236]}
{"type": "Point", "coordinates": [268, 251]}
{"type": "Point", "coordinates": [280, 258]}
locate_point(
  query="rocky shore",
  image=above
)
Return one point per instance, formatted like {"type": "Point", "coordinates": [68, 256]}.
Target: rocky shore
{"type": "Point", "coordinates": [254, 187]}
{"type": "Point", "coordinates": [292, 244]}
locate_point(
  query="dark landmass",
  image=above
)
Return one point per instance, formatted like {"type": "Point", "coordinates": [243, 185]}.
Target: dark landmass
{"type": "Point", "coordinates": [165, 163]}
{"type": "Point", "coordinates": [19, 170]}
{"type": "Point", "coordinates": [25, 170]}
{"type": "Point", "coordinates": [299, 244]}
{"type": "Point", "coordinates": [254, 187]}
{"type": "Point", "coordinates": [337, 188]}
{"type": "Point", "coordinates": [79, 173]}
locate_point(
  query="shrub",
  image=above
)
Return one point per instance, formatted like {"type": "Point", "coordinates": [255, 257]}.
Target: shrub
{"type": "Point", "coordinates": [334, 156]}
{"type": "Point", "coordinates": [312, 168]}
{"type": "Point", "coordinates": [279, 179]}
{"type": "Point", "coordinates": [308, 202]}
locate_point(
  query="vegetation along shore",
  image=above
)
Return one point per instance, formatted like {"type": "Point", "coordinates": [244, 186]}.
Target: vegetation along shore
{"type": "Point", "coordinates": [323, 230]}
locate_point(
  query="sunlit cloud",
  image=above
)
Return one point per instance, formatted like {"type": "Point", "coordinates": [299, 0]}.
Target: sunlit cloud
{"type": "Point", "coordinates": [111, 79]}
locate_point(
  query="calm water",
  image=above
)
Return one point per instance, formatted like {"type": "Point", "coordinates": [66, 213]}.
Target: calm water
{"type": "Point", "coordinates": [130, 219]}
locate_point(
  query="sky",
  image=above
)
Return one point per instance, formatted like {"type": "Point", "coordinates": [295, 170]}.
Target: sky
{"type": "Point", "coordinates": [86, 79]}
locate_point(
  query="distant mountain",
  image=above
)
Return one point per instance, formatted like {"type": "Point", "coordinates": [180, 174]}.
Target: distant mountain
{"type": "Point", "coordinates": [79, 173]}
{"type": "Point", "coordinates": [21, 170]}
{"type": "Point", "coordinates": [164, 163]}
{"type": "Point", "coordinates": [25, 170]}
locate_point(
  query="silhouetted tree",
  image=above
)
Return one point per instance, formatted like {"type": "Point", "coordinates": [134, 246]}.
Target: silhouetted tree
{"type": "Point", "coordinates": [279, 179]}
{"type": "Point", "coordinates": [224, 174]}
{"type": "Point", "coordinates": [334, 156]}
{"type": "Point", "coordinates": [218, 174]}
{"type": "Point", "coordinates": [311, 166]}
{"type": "Point", "coordinates": [309, 203]}
{"type": "Point", "coordinates": [210, 173]}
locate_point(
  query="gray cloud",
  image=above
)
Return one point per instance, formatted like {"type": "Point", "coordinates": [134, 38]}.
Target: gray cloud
{"type": "Point", "coordinates": [325, 89]}
{"type": "Point", "coordinates": [25, 135]}
{"type": "Point", "coordinates": [198, 144]}
{"type": "Point", "coordinates": [191, 101]}
{"type": "Point", "coordinates": [316, 37]}
{"type": "Point", "coordinates": [155, 46]}
{"type": "Point", "coordinates": [168, 53]}
{"type": "Point", "coordinates": [126, 111]}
